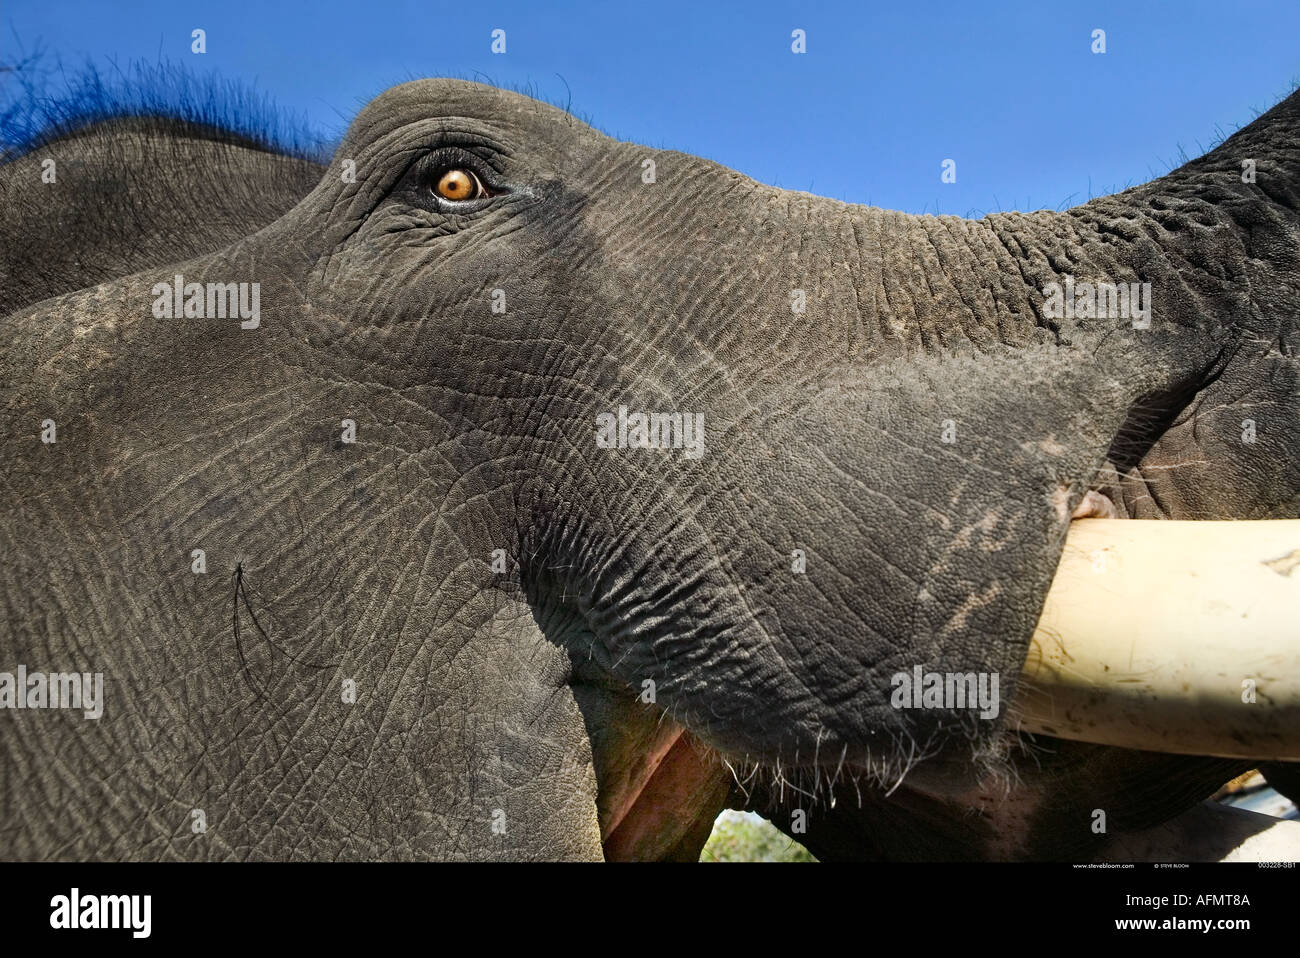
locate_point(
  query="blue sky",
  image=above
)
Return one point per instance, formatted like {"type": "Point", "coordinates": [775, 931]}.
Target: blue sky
{"type": "Point", "coordinates": [884, 94]}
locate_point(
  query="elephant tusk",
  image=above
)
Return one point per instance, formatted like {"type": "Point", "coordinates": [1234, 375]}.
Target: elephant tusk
{"type": "Point", "coordinates": [1171, 636]}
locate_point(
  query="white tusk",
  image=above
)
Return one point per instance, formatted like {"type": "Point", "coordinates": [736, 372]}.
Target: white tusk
{"type": "Point", "coordinates": [1171, 637]}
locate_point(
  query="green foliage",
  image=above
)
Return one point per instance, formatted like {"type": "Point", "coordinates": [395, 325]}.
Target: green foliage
{"type": "Point", "coordinates": [744, 837]}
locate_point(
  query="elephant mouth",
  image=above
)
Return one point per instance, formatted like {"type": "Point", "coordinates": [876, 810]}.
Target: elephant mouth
{"type": "Point", "coordinates": [1095, 505]}
{"type": "Point", "coordinates": [1156, 635]}
{"type": "Point", "coordinates": [658, 786]}
{"type": "Point", "coordinates": [665, 810]}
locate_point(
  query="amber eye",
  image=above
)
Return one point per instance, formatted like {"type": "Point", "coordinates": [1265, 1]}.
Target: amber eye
{"type": "Point", "coordinates": [459, 185]}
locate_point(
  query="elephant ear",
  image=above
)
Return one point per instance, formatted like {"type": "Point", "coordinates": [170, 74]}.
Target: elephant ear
{"type": "Point", "coordinates": [141, 163]}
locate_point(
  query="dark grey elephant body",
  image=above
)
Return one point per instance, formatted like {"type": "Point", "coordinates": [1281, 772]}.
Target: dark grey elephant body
{"type": "Point", "coordinates": [502, 713]}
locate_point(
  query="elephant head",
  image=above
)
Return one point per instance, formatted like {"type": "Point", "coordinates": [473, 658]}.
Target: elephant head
{"type": "Point", "coordinates": [519, 492]}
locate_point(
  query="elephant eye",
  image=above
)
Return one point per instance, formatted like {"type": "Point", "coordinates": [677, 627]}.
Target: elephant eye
{"type": "Point", "coordinates": [459, 184]}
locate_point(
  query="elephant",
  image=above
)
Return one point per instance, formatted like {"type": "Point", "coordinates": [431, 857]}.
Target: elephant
{"type": "Point", "coordinates": [499, 490]}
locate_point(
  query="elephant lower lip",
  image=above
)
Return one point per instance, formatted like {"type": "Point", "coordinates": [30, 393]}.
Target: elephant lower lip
{"type": "Point", "coordinates": [683, 771]}
{"type": "Point", "coordinates": [1095, 505]}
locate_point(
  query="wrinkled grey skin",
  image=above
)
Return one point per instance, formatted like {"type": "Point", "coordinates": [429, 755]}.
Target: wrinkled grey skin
{"type": "Point", "coordinates": [497, 715]}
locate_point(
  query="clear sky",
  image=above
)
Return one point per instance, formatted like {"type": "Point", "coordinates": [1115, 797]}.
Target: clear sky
{"type": "Point", "coordinates": [884, 94]}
